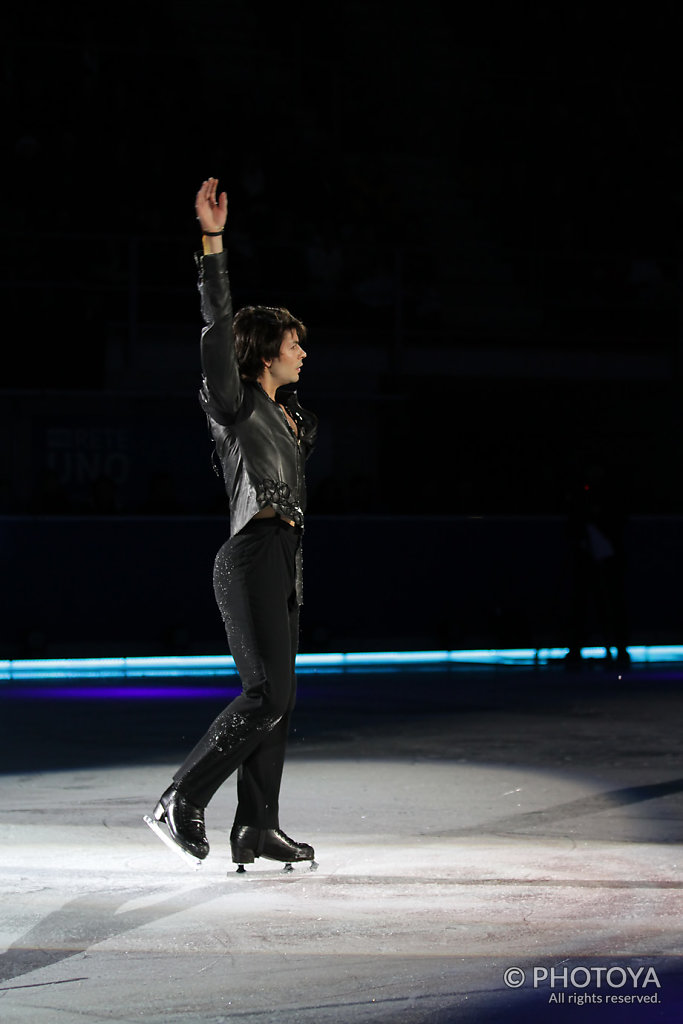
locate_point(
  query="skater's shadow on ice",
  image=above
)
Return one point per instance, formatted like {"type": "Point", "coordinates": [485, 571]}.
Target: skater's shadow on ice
{"type": "Point", "coordinates": [86, 921]}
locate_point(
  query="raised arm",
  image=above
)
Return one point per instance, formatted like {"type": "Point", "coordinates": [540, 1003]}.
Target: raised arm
{"type": "Point", "coordinates": [221, 394]}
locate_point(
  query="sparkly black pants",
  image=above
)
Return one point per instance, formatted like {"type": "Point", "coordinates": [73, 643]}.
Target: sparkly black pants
{"type": "Point", "coordinates": [255, 587]}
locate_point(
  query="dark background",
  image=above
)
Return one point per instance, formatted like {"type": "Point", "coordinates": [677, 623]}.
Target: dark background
{"type": "Point", "coordinates": [476, 212]}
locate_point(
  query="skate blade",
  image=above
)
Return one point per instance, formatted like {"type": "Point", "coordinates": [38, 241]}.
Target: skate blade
{"type": "Point", "coordinates": [289, 867]}
{"type": "Point", "coordinates": [166, 839]}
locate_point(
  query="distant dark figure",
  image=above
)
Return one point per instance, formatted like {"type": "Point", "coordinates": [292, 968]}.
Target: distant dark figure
{"type": "Point", "coordinates": [597, 519]}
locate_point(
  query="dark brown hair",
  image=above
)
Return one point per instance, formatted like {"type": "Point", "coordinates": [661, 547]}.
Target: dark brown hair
{"type": "Point", "coordinates": [258, 334]}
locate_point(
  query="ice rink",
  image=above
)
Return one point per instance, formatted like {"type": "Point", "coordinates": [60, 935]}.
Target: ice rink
{"type": "Point", "coordinates": [466, 824]}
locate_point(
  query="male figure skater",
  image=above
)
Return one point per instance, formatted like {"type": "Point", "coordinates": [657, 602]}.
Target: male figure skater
{"type": "Point", "coordinates": [262, 438]}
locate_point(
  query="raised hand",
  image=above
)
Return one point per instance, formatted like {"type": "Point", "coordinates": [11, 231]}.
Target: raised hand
{"type": "Point", "coordinates": [211, 215]}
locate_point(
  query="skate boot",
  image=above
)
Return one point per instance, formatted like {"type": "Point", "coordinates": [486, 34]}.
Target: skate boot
{"type": "Point", "coordinates": [185, 823]}
{"type": "Point", "coordinates": [248, 842]}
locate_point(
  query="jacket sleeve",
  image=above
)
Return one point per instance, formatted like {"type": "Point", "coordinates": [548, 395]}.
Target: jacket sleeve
{"type": "Point", "coordinates": [310, 435]}
{"type": "Point", "coordinates": [222, 392]}
{"type": "Point", "coordinates": [307, 421]}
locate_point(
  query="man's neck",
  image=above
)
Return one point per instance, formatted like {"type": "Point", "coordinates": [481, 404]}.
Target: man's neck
{"type": "Point", "coordinates": [268, 385]}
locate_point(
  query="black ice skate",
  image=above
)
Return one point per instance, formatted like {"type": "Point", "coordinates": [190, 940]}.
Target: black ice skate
{"type": "Point", "coordinates": [185, 833]}
{"type": "Point", "coordinates": [247, 843]}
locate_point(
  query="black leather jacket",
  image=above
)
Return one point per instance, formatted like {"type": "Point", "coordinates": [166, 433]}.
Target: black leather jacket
{"type": "Point", "coordinates": [261, 456]}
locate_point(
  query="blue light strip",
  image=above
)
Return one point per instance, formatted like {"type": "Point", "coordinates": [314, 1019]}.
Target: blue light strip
{"type": "Point", "coordinates": [222, 665]}
{"type": "Point", "coordinates": [115, 668]}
